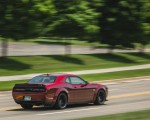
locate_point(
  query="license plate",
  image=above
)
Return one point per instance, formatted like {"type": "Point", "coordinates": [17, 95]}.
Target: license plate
{"type": "Point", "coordinates": [27, 98]}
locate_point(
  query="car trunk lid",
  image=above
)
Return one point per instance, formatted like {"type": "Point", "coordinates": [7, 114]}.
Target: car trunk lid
{"type": "Point", "coordinates": [29, 88]}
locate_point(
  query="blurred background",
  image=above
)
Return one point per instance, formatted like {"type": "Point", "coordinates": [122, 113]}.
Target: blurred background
{"type": "Point", "coordinates": [96, 39]}
{"type": "Point", "coordinates": [39, 36]}
{"type": "Point", "coordinates": [101, 23]}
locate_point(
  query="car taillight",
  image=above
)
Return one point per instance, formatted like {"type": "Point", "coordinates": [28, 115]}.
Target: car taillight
{"type": "Point", "coordinates": [29, 89]}
{"type": "Point", "coordinates": [38, 89]}
{"type": "Point", "coordinates": [18, 89]}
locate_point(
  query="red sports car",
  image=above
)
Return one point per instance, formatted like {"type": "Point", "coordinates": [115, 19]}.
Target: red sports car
{"type": "Point", "coordinates": [58, 90]}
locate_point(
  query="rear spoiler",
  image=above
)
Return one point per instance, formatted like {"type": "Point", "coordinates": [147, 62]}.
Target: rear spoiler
{"type": "Point", "coordinates": [29, 88]}
{"type": "Point", "coordinates": [29, 85]}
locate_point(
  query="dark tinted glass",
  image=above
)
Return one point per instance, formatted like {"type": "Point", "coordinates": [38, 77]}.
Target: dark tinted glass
{"type": "Point", "coordinates": [43, 79]}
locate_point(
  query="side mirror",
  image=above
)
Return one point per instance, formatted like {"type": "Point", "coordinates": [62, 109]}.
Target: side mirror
{"type": "Point", "coordinates": [86, 83]}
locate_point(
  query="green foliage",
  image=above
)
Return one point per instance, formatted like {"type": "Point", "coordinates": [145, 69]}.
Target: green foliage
{"type": "Point", "coordinates": [17, 19]}
{"type": "Point", "coordinates": [74, 18]}
{"type": "Point", "coordinates": [145, 17]}
{"type": "Point", "coordinates": [117, 22]}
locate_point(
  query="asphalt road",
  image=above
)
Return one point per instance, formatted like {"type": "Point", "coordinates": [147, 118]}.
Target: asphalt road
{"type": "Point", "coordinates": [23, 49]}
{"type": "Point", "coordinates": [124, 96]}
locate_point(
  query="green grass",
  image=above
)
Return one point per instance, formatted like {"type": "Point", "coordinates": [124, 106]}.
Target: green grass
{"type": "Point", "coordinates": [8, 85]}
{"type": "Point", "coordinates": [72, 41]}
{"type": "Point", "coordinates": [138, 46]}
{"type": "Point", "coordinates": [62, 63]}
{"type": "Point", "coordinates": [116, 75]}
{"type": "Point", "coordinates": [139, 115]}
{"type": "Point", "coordinates": [69, 41]}
{"type": "Point", "coordinates": [61, 41]}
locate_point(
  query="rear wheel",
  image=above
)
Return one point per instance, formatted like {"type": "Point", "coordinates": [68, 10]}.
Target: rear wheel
{"type": "Point", "coordinates": [100, 98]}
{"type": "Point", "coordinates": [62, 101]}
{"type": "Point", "coordinates": [26, 106]}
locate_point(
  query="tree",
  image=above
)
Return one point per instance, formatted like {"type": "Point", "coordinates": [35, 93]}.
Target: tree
{"type": "Point", "coordinates": [145, 17]}
{"type": "Point", "coordinates": [74, 18]}
{"type": "Point", "coordinates": [15, 22]}
{"type": "Point", "coordinates": [119, 23]}
{"type": "Point", "coordinates": [22, 19]}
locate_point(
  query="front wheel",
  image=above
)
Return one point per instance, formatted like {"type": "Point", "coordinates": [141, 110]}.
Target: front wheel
{"type": "Point", "coordinates": [62, 101]}
{"type": "Point", "coordinates": [100, 98]}
{"type": "Point", "coordinates": [26, 106]}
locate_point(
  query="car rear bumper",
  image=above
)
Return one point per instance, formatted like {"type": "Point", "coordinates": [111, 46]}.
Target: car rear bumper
{"type": "Point", "coordinates": [30, 102]}
{"type": "Point", "coordinates": [36, 98]}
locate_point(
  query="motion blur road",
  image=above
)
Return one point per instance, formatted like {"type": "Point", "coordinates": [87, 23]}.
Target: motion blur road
{"type": "Point", "coordinates": [124, 96]}
{"type": "Point", "coordinates": [23, 49]}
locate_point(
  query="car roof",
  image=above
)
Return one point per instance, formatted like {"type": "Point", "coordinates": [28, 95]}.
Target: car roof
{"type": "Point", "coordinates": [58, 74]}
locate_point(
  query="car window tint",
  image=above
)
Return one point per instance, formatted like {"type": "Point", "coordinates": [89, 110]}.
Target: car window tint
{"type": "Point", "coordinates": [77, 80]}
{"type": "Point", "coordinates": [43, 79]}
{"type": "Point", "coordinates": [68, 80]}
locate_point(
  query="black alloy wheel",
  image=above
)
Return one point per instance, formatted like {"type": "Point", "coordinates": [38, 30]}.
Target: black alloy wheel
{"type": "Point", "coordinates": [100, 98]}
{"type": "Point", "coordinates": [62, 101]}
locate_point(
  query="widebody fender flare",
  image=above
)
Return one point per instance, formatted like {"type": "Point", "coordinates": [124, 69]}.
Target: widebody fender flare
{"type": "Point", "coordinates": [59, 90]}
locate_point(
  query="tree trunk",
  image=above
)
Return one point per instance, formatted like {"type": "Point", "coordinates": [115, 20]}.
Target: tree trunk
{"type": "Point", "coordinates": [4, 45]}
{"type": "Point", "coordinates": [142, 48]}
{"type": "Point", "coordinates": [68, 48]}
{"type": "Point", "coordinates": [110, 49]}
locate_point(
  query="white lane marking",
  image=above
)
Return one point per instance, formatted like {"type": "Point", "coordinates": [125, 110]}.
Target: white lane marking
{"type": "Point", "coordinates": [112, 90]}
{"type": "Point", "coordinates": [68, 111]}
{"type": "Point", "coordinates": [111, 83]}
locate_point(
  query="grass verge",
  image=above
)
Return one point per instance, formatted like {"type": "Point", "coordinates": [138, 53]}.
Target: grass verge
{"type": "Point", "coordinates": [116, 75]}
{"type": "Point", "coordinates": [72, 41]}
{"type": "Point", "coordinates": [139, 115]}
{"type": "Point", "coordinates": [61, 41]}
{"type": "Point", "coordinates": [62, 63]}
{"type": "Point", "coordinates": [8, 85]}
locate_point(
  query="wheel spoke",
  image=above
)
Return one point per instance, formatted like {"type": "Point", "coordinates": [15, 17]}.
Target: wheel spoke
{"type": "Point", "coordinates": [100, 98]}
{"type": "Point", "coordinates": [62, 101]}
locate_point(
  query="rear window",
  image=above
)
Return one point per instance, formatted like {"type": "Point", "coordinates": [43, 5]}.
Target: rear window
{"type": "Point", "coordinates": [43, 79]}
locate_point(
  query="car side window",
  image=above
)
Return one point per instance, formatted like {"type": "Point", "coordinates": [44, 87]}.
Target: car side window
{"type": "Point", "coordinates": [76, 80]}
{"type": "Point", "coordinates": [68, 80]}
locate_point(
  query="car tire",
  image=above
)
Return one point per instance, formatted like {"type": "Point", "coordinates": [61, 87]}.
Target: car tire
{"type": "Point", "coordinates": [62, 101]}
{"type": "Point", "coordinates": [26, 106]}
{"type": "Point", "coordinates": [100, 97]}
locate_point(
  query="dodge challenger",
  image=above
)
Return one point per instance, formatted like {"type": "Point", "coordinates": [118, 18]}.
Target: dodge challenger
{"type": "Point", "coordinates": [58, 90]}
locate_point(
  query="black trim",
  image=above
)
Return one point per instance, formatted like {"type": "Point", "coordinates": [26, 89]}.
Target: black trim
{"type": "Point", "coordinates": [30, 102]}
{"type": "Point", "coordinates": [77, 77]}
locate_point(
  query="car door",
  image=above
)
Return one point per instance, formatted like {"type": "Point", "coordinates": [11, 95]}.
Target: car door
{"type": "Point", "coordinates": [79, 91]}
